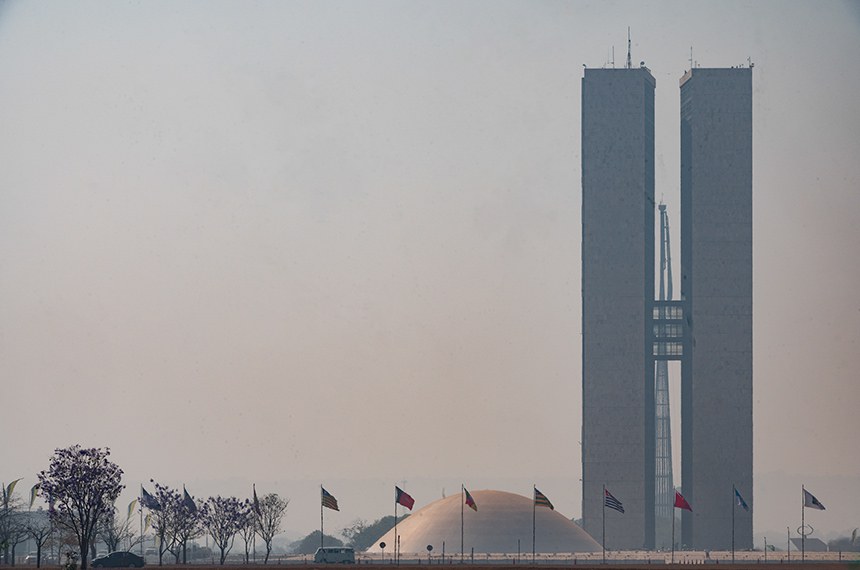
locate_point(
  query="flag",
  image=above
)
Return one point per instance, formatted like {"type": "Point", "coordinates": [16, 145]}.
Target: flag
{"type": "Point", "coordinates": [131, 506]}
{"type": "Point", "coordinates": [148, 521]}
{"type": "Point", "coordinates": [34, 490]}
{"type": "Point", "coordinates": [10, 488]}
{"type": "Point", "coordinates": [328, 500]}
{"type": "Point", "coordinates": [771, 547]}
{"type": "Point", "coordinates": [612, 502]}
{"type": "Point", "coordinates": [541, 500]}
{"type": "Point", "coordinates": [256, 502]}
{"type": "Point", "coordinates": [148, 500]}
{"type": "Point", "coordinates": [853, 535]}
{"type": "Point", "coordinates": [470, 502]}
{"type": "Point", "coordinates": [403, 498]}
{"type": "Point", "coordinates": [740, 500]}
{"type": "Point", "coordinates": [187, 501]}
{"type": "Point", "coordinates": [810, 501]}
{"type": "Point", "coordinates": [681, 502]}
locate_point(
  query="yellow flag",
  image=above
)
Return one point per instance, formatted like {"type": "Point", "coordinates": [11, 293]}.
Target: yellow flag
{"type": "Point", "coordinates": [10, 489]}
{"type": "Point", "coordinates": [131, 506]}
{"type": "Point", "coordinates": [33, 492]}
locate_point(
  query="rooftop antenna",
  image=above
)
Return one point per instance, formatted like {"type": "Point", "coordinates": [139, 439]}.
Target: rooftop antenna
{"type": "Point", "coordinates": [629, 65]}
{"type": "Point", "coordinates": [613, 57]}
{"type": "Point", "coordinates": [691, 57]}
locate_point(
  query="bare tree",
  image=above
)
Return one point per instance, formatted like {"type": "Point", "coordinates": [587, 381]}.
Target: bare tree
{"type": "Point", "coordinates": [248, 532]}
{"type": "Point", "coordinates": [41, 530]}
{"type": "Point", "coordinates": [114, 531]}
{"type": "Point", "coordinates": [81, 485]}
{"type": "Point", "coordinates": [15, 532]}
{"type": "Point", "coordinates": [268, 514]}
{"type": "Point", "coordinates": [10, 508]}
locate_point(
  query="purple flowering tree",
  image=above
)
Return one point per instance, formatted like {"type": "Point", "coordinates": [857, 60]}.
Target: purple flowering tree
{"type": "Point", "coordinates": [175, 520]}
{"type": "Point", "coordinates": [81, 485]}
{"type": "Point", "coordinates": [223, 518]}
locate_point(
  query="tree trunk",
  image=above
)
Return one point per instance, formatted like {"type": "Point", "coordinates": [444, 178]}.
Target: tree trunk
{"type": "Point", "coordinates": [38, 554]}
{"type": "Point", "coordinates": [85, 552]}
{"type": "Point", "coordinates": [268, 552]}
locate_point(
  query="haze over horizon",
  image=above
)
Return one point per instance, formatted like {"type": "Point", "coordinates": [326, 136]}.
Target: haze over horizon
{"type": "Point", "coordinates": [339, 243]}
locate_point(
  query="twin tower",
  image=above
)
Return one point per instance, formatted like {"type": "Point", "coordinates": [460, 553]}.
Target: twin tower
{"type": "Point", "coordinates": [628, 333]}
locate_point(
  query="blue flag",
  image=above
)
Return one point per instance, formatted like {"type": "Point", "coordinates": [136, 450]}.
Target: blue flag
{"type": "Point", "coordinates": [187, 501]}
{"type": "Point", "coordinates": [148, 500]}
{"type": "Point", "coordinates": [740, 500]}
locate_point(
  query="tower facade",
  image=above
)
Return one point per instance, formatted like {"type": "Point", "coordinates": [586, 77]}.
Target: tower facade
{"type": "Point", "coordinates": [628, 334]}
{"type": "Point", "coordinates": [617, 268]}
{"type": "Point", "coordinates": [716, 286]}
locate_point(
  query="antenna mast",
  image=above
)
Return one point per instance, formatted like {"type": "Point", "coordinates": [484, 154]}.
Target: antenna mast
{"type": "Point", "coordinates": [629, 65]}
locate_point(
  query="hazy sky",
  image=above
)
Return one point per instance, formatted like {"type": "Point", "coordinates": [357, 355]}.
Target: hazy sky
{"type": "Point", "coordinates": [316, 242]}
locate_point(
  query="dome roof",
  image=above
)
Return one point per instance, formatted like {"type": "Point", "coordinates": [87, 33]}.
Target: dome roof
{"type": "Point", "coordinates": [502, 519]}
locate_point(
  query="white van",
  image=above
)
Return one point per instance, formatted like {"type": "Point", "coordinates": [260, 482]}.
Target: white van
{"type": "Point", "coordinates": [334, 555]}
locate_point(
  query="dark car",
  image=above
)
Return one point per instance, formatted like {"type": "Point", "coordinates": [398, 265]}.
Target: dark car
{"type": "Point", "coordinates": [118, 560]}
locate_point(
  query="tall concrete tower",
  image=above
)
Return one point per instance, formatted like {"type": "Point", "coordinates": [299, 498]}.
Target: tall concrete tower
{"type": "Point", "coordinates": [617, 297]}
{"type": "Point", "coordinates": [627, 333]}
{"type": "Point", "coordinates": [716, 286]}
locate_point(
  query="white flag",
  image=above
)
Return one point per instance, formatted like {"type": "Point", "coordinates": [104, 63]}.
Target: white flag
{"type": "Point", "coordinates": [810, 501]}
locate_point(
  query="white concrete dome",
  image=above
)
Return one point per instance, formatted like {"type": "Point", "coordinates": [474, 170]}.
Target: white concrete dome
{"type": "Point", "coordinates": [501, 520]}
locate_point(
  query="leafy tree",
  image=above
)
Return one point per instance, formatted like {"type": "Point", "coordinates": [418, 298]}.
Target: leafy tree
{"type": "Point", "coordinates": [81, 485]}
{"type": "Point", "coordinates": [223, 517]}
{"type": "Point", "coordinates": [845, 543]}
{"type": "Point", "coordinates": [310, 543]}
{"type": "Point", "coordinates": [361, 535]}
{"type": "Point", "coordinates": [269, 513]}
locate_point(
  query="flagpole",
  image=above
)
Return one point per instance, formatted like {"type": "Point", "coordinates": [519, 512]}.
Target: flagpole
{"type": "Point", "coordinates": [803, 523]}
{"type": "Point", "coordinates": [734, 490]}
{"type": "Point", "coordinates": [604, 522]}
{"type": "Point", "coordinates": [788, 542]}
{"type": "Point", "coordinates": [321, 516]}
{"type": "Point", "coordinates": [462, 506]}
{"type": "Point", "coordinates": [673, 534]}
{"type": "Point", "coordinates": [141, 523]}
{"type": "Point", "coordinates": [534, 519]}
{"type": "Point", "coordinates": [396, 559]}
